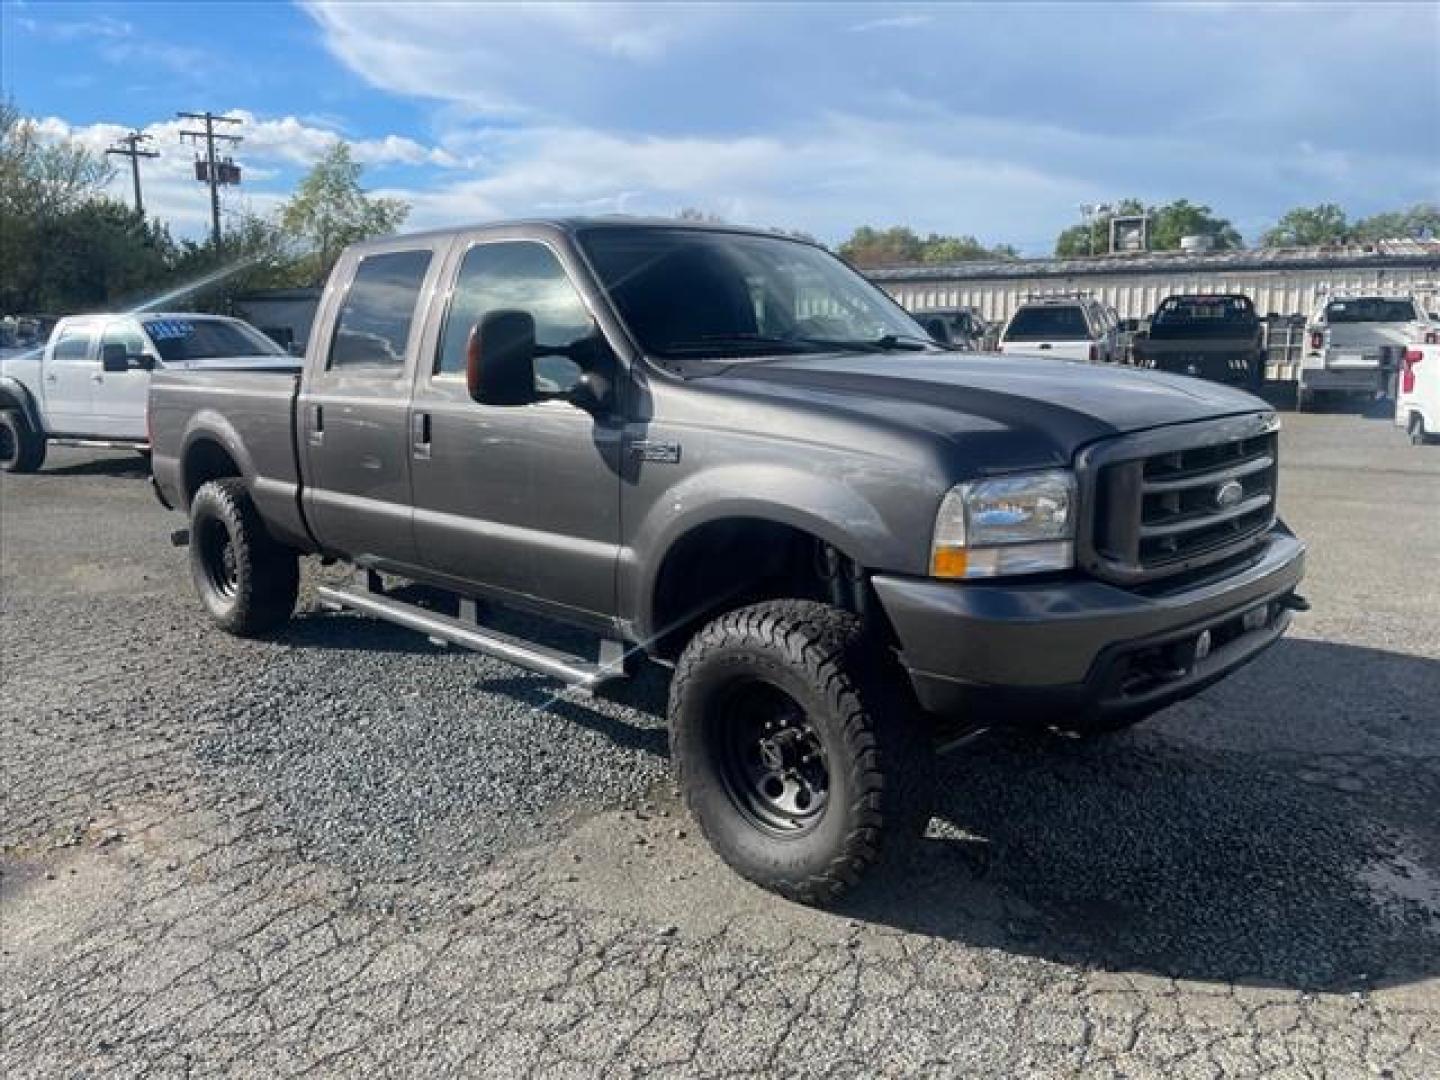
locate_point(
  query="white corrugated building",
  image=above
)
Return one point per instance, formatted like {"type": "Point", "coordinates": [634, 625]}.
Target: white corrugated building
{"type": "Point", "coordinates": [1280, 281]}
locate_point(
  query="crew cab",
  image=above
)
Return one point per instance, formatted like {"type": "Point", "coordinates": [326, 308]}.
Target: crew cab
{"type": "Point", "coordinates": [1064, 327]}
{"type": "Point", "coordinates": [1354, 344]}
{"type": "Point", "coordinates": [1211, 337]}
{"type": "Point", "coordinates": [728, 452]}
{"type": "Point", "coordinates": [89, 385]}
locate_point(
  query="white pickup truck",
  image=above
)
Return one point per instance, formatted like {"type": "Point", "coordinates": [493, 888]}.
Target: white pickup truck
{"type": "Point", "coordinates": [1417, 398]}
{"type": "Point", "coordinates": [1354, 344]}
{"type": "Point", "coordinates": [90, 384]}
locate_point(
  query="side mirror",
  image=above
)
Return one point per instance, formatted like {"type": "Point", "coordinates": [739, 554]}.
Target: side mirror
{"type": "Point", "coordinates": [500, 359]}
{"type": "Point", "coordinates": [114, 359]}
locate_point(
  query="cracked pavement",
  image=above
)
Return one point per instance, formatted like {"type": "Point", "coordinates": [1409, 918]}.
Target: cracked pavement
{"type": "Point", "coordinates": [347, 851]}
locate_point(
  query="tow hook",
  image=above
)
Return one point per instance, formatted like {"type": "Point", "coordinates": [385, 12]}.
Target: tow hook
{"type": "Point", "coordinates": [180, 538]}
{"type": "Point", "coordinates": [1295, 602]}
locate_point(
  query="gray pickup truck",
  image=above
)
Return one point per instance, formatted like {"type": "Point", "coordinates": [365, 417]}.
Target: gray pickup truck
{"type": "Point", "coordinates": [728, 452]}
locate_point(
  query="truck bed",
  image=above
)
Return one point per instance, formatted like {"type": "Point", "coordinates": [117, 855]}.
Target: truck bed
{"type": "Point", "coordinates": [249, 416]}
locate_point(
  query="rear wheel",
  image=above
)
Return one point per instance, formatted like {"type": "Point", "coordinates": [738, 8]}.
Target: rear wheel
{"type": "Point", "coordinates": [802, 767]}
{"type": "Point", "coordinates": [22, 448]}
{"type": "Point", "coordinates": [247, 582]}
{"type": "Point", "coordinates": [1416, 430]}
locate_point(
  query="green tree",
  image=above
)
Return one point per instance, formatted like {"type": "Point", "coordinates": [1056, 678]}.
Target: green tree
{"type": "Point", "coordinates": [330, 210]}
{"type": "Point", "coordinates": [1309, 226]}
{"type": "Point", "coordinates": [1169, 223]}
{"type": "Point", "coordinates": [1421, 221]}
{"type": "Point", "coordinates": [900, 245]}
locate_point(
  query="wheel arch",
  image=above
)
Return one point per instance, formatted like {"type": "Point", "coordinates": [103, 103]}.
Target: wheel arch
{"type": "Point", "coordinates": [211, 450]}
{"type": "Point", "coordinates": [16, 395]}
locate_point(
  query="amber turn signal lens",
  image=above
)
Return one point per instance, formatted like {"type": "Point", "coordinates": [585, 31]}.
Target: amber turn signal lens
{"type": "Point", "coordinates": [948, 562]}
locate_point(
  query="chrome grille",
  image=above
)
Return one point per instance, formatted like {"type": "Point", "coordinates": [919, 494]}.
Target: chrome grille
{"type": "Point", "coordinates": [1171, 509]}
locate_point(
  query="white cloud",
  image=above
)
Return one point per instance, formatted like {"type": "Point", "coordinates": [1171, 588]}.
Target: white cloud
{"type": "Point", "coordinates": [908, 21]}
{"type": "Point", "coordinates": [273, 152]}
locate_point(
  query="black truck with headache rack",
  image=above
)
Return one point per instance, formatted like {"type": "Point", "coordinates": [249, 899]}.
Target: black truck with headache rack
{"type": "Point", "coordinates": [725, 450]}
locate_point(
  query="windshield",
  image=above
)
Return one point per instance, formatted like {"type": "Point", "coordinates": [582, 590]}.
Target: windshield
{"type": "Point", "coordinates": [691, 292]}
{"type": "Point", "coordinates": [183, 340]}
{"type": "Point", "coordinates": [1051, 323]}
{"type": "Point", "coordinates": [1369, 309]}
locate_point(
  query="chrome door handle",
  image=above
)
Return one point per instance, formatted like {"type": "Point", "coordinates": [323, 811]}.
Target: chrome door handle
{"type": "Point", "coordinates": [316, 435]}
{"type": "Point", "coordinates": [420, 435]}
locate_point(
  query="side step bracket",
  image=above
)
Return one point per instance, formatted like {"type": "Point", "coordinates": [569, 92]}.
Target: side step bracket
{"type": "Point", "coordinates": [465, 632]}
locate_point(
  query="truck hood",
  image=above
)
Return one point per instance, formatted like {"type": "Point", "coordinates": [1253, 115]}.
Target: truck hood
{"type": "Point", "coordinates": [1019, 403]}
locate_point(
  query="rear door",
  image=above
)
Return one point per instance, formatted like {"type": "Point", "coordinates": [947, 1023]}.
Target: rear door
{"type": "Point", "coordinates": [120, 397]}
{"type": "Point", "coordinates": [354, 411]}
{"type": "Point", "coordinates": [72, 371]}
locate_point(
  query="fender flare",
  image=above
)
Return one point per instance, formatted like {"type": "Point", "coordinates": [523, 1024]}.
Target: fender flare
{"type": "Point", "coordinates": [24, 399]}
{"type": "Point", "coordinates": [792, 498]}
{"type": "Point", "coordinates": [209, 425]}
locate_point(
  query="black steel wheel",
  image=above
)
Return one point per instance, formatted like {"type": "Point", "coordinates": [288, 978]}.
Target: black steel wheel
{"type": "Point", "coordinates": [799, 751]}
{"type": "Point", "coordinates": [22, 449]}
{"type": "Point", "coordinates": [247, 582]}
{"type": "Point", "coordinates": [771, 758]}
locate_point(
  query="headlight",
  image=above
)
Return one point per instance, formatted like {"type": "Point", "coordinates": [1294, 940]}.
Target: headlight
{"type": "Point", "coordinates": [1021, 524]}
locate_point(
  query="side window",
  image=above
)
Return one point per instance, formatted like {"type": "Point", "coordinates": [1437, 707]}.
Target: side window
{"type": "Point", "coordinates": [73, 345]}
{"type": "Point", "coordinates": [373, 329]}
{"type": "Point", "coordinates": [516, 275]}
{"type": "Point", "coordinates": [127, 335]}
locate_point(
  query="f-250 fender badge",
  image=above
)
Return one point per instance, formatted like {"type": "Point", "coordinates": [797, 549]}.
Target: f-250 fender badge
{"type": "Point", "coordinates": [666, 453]}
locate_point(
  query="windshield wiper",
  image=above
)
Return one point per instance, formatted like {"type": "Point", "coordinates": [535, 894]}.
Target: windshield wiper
{"type": "Point", "coordinates": [884, 343]}
{"type": "Point", "coordinates": [756, 343]}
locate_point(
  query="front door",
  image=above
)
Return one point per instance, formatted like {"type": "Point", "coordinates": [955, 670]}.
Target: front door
{"type": "Point", "coordinates": [354, 413]}
{"type": "Point", "coordinates": [520, 498]}
{"type": "Point", "coordinates": [121, 397]}
{"type": "Point", "coordinates": [72, 370]}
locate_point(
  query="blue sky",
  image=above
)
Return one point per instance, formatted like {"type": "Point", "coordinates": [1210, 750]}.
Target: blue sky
{"type": "Point", "coordinates": [994, 120]}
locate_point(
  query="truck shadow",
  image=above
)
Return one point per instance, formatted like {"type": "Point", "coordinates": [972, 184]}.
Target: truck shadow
{"type": "Point", "coordinates": [1310, 860]}
{"type": "Point", "coordinates": [122, 466]}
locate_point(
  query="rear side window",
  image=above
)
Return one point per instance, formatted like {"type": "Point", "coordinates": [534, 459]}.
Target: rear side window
{"type": "Point", "coordinates": [73, 344]}
{"type": "Point", "coordinates": [518, 275]}
{"type": "Point", "coordinates": [1058, 323]}
{"type": "Point", "coordinates": [373, 329]}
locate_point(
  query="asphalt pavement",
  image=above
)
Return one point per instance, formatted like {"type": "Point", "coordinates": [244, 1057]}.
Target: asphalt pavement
{"type": "Point", "coordinates": [347, 850]}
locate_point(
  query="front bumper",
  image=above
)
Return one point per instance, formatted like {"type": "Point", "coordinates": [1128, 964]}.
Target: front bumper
{"type": "Point", "coordinates": [1027, 651]}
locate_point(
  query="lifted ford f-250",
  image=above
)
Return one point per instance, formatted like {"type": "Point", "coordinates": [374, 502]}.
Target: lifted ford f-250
{"type": "Point", "coordinates": [726, 450]}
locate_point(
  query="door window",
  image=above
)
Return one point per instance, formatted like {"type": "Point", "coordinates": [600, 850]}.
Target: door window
{"type": "Point", "coordinates": [517, 276]}
{"type": "Point", "coordinates": [124, 334]}
{"type": "Point", "coordinates": [373, 330]}
{"type": "Point", "coordinates": [73, 345]}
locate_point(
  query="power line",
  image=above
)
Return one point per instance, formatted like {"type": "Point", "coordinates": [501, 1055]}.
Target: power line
{"type": "Point", "coordinates": [129, 146]}
{"type": "Point", "coordinates": [213, 171]}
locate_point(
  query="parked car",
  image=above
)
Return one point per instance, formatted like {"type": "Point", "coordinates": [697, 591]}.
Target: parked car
{"type": "Point", "coordinates": [1214, 337]}
{"type": "Point", "coordinates": [959, 326]}
{"type": "Point", "coordinates": [1417, 398]}
{"type": "Point", "coordinates": [1063, 327]}
{"type": "Point", "coordinates": [1353, 345]}
{"type": "Point", "coordinates": [726, 450]}
{"type": "Point", "coordinates": [88, 386]}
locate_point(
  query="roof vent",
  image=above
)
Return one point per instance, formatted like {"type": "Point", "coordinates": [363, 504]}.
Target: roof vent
{"type": "Point", "coordinates": [1197, 243]}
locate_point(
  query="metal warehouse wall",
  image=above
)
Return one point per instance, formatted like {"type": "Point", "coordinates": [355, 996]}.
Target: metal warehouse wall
{"type": "Point", "coordinates": [1136, 295]}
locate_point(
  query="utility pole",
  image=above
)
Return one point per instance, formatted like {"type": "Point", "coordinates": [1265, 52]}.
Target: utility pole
{"type": "Point", "coordinates": [129, 146]}
{"type": "Point", "coordinates": [212, 170]}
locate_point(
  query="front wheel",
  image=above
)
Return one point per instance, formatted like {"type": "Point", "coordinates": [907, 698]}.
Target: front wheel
{"type": "Point", "coordinates": [22, 449]}
{"type": "Point", "coordinates": [801, 766]}
{"type": "Point", "coordinates": [247, 582]}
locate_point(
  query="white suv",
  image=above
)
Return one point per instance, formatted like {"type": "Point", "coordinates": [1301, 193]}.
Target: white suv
{"type": "Point", "coordinates": [1063, 327]}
